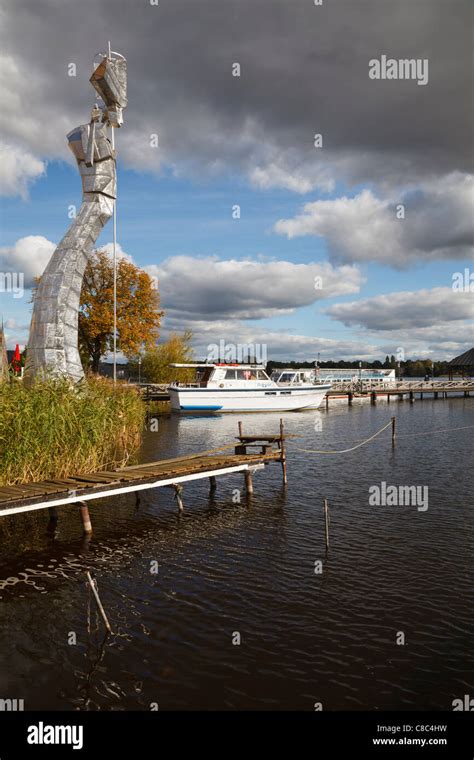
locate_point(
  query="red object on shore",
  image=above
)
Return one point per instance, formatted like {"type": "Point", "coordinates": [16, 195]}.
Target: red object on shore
{"type": "Point", "coordinates": [16, 361]}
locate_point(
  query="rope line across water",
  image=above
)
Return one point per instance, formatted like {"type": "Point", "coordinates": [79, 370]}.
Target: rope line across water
{"type": "Point", "coordinates": [345, 451]}
{"type": "Point", "coordinates": [431, 432]}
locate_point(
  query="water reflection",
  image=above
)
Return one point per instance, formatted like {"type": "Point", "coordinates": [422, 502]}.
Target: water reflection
{"type": "Point", "coordinates": [248, 565]}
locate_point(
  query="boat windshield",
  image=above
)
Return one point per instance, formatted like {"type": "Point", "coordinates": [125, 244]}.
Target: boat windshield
{"type": "Point", "coordinates": [284, 377]}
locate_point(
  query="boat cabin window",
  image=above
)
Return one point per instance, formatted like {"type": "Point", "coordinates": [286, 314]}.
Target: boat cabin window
{"type": "Point", "coordinates": [245, 374]}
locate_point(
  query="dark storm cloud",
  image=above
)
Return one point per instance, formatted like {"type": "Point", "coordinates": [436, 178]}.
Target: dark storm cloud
{"type": "Point", "coordinates": [304, 70]}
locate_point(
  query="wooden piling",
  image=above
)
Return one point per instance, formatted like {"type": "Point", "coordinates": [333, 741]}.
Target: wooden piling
{"type": "Point", "coordinates": [283, 452]}
{"type": "Point", "coordinates": [93, 585]}
{"type": "Point", "coordinates": [373, 397]}
{"type": "Point", "coordinates": [178, 490]}
{"type": "Point", "coordinates": [326, 523]}
{"type": "Point", "coordinates": [85, 517]}
{"type": "Point", "coordinates": [350, 397]}
{"type": "Point", "coordinates": [212, 484]}
{"type": "Point", "coordinates": [394, 430]}
{"type": "Point", "coordinates": [53, 520]}
{"type": "Point", "coordinates": [327, 402]}
{"type": "Point", "coordinates": [248, 481]}
{"type": "Point", "coordinates": [412, 397]}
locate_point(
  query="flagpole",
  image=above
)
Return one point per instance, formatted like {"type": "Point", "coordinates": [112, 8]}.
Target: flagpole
{"type": "Point", "coordinates": [115, 270]}
{"type": "Point", "coordinates": [114, 249]}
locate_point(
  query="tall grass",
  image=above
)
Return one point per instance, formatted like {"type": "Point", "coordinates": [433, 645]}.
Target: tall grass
{"type": "Point", "coordinates": [53, 430]}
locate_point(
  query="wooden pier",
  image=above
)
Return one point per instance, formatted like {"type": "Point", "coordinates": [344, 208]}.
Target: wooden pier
{"type": "Point", "coordinates": [251, 453]}
{"type": "Point", "coordinates": [410, 389]}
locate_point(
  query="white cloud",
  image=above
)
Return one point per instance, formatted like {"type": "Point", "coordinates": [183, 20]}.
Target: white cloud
{"type": "Point", "coordinates": [406, 310]}
{"type": "Point", "coordinates": [246, 289]}
{"type": "Point", "coordinates": [438, 224]}
{"type": "Point", "coordinates": [18, 169]}
{"type": "Point", "coordinates": [29, 255]}
{"type": "Point", "coordinates": [287, 174]}
{"type": "Point", "coordinates": [279, 345]}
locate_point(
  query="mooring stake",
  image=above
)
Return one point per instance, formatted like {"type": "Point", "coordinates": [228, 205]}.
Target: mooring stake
{"type": "Point", "coordinates": [53, 520]}
{"type": "Point", "coordinates": [326, 522]}
{"type": "Point", "coordinates": [85, 517]}
{"type": "Point", "coordinates": [212, 484]}
{"type": "Point", "coordinates": [93, 585]}
{"type": "Point", "coordinates": [178, 490]}
{"type": "Point", "coordinates": [394, 430]}
{"type": "Point", "coordinates": [283, 453]}
{"type": "Point", "coordinates": [248, 481]}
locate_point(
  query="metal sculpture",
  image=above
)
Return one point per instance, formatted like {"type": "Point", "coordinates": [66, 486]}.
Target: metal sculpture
{"type": "Point", "coordinates": [53, 341]}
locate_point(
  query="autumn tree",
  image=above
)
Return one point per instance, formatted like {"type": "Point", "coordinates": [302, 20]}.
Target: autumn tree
{"type": "Point", "coordinates": [176, 350]}
{"type": "Point", "coordinates": [138, 315]}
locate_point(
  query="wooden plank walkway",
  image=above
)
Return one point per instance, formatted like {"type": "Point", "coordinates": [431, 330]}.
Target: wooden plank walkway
{"type": "Point", "coordinates": [79, 489]}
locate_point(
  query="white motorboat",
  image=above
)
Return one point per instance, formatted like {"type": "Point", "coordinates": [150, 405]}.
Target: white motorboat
{"type": "Point", "coordinates": [244, 388]}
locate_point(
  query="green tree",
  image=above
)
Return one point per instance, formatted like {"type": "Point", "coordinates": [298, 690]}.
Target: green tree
{"type": "Point", "coordinates": [156, 361]}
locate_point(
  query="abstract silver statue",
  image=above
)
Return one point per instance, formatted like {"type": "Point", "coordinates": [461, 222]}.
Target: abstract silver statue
{"type": "Point", "coordinates": [53, 341]}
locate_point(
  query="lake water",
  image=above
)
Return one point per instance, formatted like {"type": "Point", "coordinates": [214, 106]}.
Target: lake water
{"type": "Point", "coordinates": [393, 573]}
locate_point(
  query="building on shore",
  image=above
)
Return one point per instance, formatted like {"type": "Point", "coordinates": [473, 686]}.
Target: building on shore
{"type": "Point", "coordinates": [462, 364]}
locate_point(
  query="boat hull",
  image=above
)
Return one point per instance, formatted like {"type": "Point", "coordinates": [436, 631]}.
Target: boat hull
{"type": "Point", "coordinates": [216, 400]}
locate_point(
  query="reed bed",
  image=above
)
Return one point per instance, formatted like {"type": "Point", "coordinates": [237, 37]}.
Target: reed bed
{"type": "Point", "coordinates": [53, 430]}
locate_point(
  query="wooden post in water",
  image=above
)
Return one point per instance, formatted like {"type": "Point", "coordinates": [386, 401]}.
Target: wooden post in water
{"type": "Point", "coordinates": [247, 473]}
{"type": "Point", "coordinates": [326, 523]}
{"type": "Point", "coordinates": [178, 490]}
{"type": "Point", "coordinates": [93, 585]}
{"type": "Point", "coordinates": [350, 396]}
{"type": "Point", "coordinates": [394, 430]}
{"type": "Point", "coordinates": [283, 452]}
{"type": "Point", "coordinates": [212, 484]}
{"type": "Point", "coordinates": [53, 519]}
{"type": "Point", "coordinates": [412, 397]}
{"type": "Point", "coordinates": [373, 397]}
{"type": "Point", "coordinates": [327, 402]}
{"type": "Point", "coordinates": [248, 481]}
{"type": "Point", "coordinates": [85, 517]}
